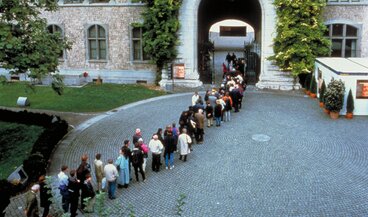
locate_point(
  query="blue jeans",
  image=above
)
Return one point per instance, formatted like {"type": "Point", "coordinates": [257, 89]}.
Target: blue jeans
{"type": "Point", "coordinates": [218, 121]}
{"type": "Point", "coordinates": [171, 156]}
{"type": "Point", "coordinates": [111, 189]}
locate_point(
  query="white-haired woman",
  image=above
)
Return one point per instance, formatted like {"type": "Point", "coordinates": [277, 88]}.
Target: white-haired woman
{"type": "Point", "coordinates": [184, 141]}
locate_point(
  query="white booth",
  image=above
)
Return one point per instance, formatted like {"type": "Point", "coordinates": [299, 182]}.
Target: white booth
{"type": "Point", "coordinates": [353, 72]}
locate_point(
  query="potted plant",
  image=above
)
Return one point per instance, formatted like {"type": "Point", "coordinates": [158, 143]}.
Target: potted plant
{"type": "Point", "coordinates": [307, 83]}
{"type": "Point", "coordinates": [313, 88]}
{"type": "Point", "coordinates": [349, 106]}
{"type": "Point", "coordinates": [322, 91]}
{"type": "Point", "coordinates": [334, 97]}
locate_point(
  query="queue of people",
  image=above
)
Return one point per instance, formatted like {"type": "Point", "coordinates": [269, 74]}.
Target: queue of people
{"type": "Point", "coordinates": [76, 185]}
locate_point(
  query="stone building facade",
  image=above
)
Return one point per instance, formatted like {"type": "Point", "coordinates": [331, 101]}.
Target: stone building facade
{"type": "Point", "coordinates": [105, 44]}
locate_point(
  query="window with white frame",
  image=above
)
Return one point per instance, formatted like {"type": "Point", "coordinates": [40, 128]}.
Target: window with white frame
{"type": "Point", "coordinates": [97, 43]}
{"type": "Point", "coordinates": [138, 53]}
{"type": "Point", "coordinates": [344, 39]}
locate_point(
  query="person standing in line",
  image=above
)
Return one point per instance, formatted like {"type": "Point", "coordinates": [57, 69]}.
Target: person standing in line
{"type": "Point", "coordinates": [228, 105]}
{"type": "Point", "coordinates": [155, 145]}
{"type": "Point", "coordinates": [195, 98]}
{"type": "Point", "coordinates": [111, 174]}
{"type": "Point", "coordinates": [83, 169]}
{"type": "Point", "coordinates": [184, 141]}
{"type": "Point", "coordinates": [31, 209]}
{"type": "Point", "coordinates": [170, 147]}
{"type": "Point", "coordinates": [128, 152]}
{"type": "Point", "coordinates": [63, 187]}
{"type": "Point", "coordinates": [209, 114]}
{"type": "Point", "coordinates": [199, 116]}
{"type": "Point", "coordinates": [122, 163]}
{"type": "Point", "coordinates": [45, 195]}
{"type": "Point", "coordinates": [137, 161]}
{"type": "Point", "coordinates": [99, 171]}
{"type": "Point", "coordinates": [228, 60]}
{"type": "Point", "coordinates": [218, 112]}
{"type": "Point", "coordinates": [73, 189]}
{"type": "Point", "coordinates": [137, 135]}
{"type": "Point", "coordinates": [145, 150]}
{"type": "Point", "coordinates": [88, 192]}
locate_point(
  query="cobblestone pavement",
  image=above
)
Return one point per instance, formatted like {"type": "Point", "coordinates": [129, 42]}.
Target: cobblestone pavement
{"type": "Point", "coordinates": [280, 156]}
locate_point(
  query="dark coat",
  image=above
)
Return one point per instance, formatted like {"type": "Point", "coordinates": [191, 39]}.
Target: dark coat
{"type": "Point", "coordinates": [209, 111]}
{"type": "Point", "coordinates": [170, 144]}
{"type": "Point", "coordinates": [87, 190]}
{"type": "Point", "coordinates": [218, 110]}
{"type": "Point", "coordinates": [138, 155]}
{"type": "Point", "coordinates": [45, 195]}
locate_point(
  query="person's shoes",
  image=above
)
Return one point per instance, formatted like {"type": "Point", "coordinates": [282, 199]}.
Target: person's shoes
{"type": "Point", "coordinates": [167, 168]}
{"type": "Point", "coordinates": [120, 186]}
{"type": "Point", "coordinates": [144, 180]}
{"type": "Point", "coordinates": [180, 158]}
{"type": "Point", "coordinates": [172, 167]}
{"type": "Point", "coordinates": [112, 198]}
{"type": "Point", "coordinates": [126, 186]}
{"type": "Point", "coordinates": [137, 180]}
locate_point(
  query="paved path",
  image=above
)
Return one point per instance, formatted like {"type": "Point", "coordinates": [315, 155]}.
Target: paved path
{"type": "Point", "coordinates": [303, 164]}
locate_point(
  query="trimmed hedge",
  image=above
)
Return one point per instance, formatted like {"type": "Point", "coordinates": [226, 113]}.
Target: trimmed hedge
{"type": "Point", "coordinates": [36, 164]}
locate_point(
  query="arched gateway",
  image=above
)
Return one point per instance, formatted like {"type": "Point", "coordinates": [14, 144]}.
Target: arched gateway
{"type": "Point", "coordinates": [197, 16]}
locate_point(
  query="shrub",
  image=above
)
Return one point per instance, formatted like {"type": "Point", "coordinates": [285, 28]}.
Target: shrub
{"type": "Point", "coordinates": [334, 95]}
{"type": "Point", "coordinates": [313, 85]}
{"type": "Point", "coordinates": [322, 91]}
{"type": "Point", "coordinates": [350, 103]}
{"type": "Point", "coordinates": [307, 81]}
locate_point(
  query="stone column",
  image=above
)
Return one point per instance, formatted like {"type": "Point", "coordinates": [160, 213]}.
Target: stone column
{"type": "Point", "coordinates": [271, 77]}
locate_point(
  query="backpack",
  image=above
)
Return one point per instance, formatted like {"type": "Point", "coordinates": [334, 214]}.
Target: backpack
{"type": "Point", "coordinates": [228, 105]}
{"type": "Point", "coordinates": [135, 157]}
{"type": "Point", "coordinates": [144, 148]}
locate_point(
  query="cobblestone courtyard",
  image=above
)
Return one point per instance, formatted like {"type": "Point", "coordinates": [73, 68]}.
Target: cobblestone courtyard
{"type": "Point", "coordinates": [306, 165]}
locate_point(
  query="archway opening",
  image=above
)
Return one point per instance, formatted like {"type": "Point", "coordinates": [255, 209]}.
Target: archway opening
{"type": "Point", "coordinates": [213, 12]}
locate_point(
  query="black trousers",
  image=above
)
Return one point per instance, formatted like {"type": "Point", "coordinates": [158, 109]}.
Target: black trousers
{"type": "Point", "coordinates": [74, 205]}
{"type": "Point", "coordinates": [156, 158]}
{"type": "Point", "coordinates": [199, 135]}
{"type": "Point", "coordinates": [136, 167]}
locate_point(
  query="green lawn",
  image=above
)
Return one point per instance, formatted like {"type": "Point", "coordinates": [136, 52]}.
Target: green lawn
{"type": "Point", "coordinates": [90, 98]}
{"type": "Point", "coordinates": [16, 142]}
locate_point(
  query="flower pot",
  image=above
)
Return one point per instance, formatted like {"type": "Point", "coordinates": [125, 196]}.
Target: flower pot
{"type": "Point", "coordinates": [334, 115]}
{"type": "Point", "coordinates": [313, 95]}
{"type": "Point", "coordinates": [349, 115]}
{"type": "Point", "coordinates": [321, 104]}
{"type": "Point", "coordinates": [326, 111]}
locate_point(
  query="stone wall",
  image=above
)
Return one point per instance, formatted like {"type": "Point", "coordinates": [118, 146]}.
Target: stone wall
{"type": "Point", "coordinates": [352, 14]}
{"type": "Point", "coordinates": [117, 19]}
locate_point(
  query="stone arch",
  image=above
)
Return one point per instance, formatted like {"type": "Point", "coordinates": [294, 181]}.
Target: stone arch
{"type": "Point", "coordinates": [189, 37]}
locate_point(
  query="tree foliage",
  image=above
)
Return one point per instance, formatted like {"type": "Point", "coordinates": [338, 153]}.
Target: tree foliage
{"type": "Point", "coordinates": [160, 28]}
{"type": "Point", "coordinates": [26, 44]}
{"type": "Point", "coordinates": [300, 35]}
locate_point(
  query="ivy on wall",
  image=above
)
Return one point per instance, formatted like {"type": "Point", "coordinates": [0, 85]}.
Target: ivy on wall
{"type": "Point", "coordinates": [299, 35]}
{"type": "Point", "coordinates": [160, 27]}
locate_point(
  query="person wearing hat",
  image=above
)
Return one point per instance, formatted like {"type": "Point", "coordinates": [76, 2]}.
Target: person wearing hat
{"type": "Point", "coordinates": [31, 209]}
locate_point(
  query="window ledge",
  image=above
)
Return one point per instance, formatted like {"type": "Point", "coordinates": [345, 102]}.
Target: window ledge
{"type": "Point", "coordinates": [141, 61]}
{"type": "Point", "coordinates": [97, 61]}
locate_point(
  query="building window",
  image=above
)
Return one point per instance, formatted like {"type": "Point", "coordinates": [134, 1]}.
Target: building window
{"type": "Point", "coordinates": [97, 43]}
{"type": "Point", "coordinates": [344, 40]}
{"type": "Point", "coordinates": [137, 45]}
{"type": "Point", "coordinates": [55, 29]}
